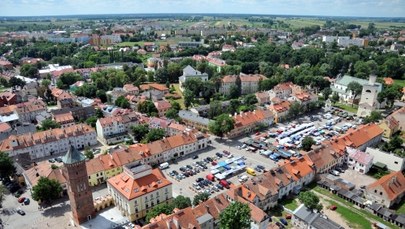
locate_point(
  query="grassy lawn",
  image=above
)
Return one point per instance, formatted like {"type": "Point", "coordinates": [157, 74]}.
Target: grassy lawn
{"type": "Point", "coordinates": [346, 107]}
{"type": "Point", "coordinates": [399, 82]}
{"type": "Point", "coordinates": [180, 101]}
{"type": "Point", "coordinates": [353, 219]}
{"type": "Point", "coordinates": [290, 203]}
{"type": "Point", "coordinates": [3, 88]}
{"type": "Point", "coordinates": [361, 214]}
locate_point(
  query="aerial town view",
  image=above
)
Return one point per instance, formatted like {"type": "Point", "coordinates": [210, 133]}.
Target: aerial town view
{"type": "Point", "coordinates": [202, 114]}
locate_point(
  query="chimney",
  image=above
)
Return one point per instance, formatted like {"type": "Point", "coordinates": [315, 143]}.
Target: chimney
{"type": "Point", "coordinates": [207, 207]}
{"type": "Point", "coordinates": [372, 79]}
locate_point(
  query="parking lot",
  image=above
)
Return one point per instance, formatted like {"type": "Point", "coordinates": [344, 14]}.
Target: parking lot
{"type": "Point", "coordinates": [185, 186]}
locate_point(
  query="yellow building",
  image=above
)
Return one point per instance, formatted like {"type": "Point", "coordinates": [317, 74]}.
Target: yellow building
{"type": "Point", "coordinates": [95, 171]}
{"type": "Point", "coordinates": [390, 125]}
{"type": "Point", "coordinates": [138, 189]}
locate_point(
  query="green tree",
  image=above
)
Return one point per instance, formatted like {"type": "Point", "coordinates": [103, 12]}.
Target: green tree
{"type": "Point", "coordinates": [139, 131]}
{"type": "Point", "coordinates": [29, 70]}
{"type": "Point", "coordinates": [355, 89]}
{"type": "Point", "coordinates": [172, 113]}
{"type": "Point", "coordinates": [99, 113]}
{"type": "Point", "coordinates": [163, 208]}
{"type": "Point", "coordinates": [307, 143]}
{"type": "Point", "coordinates": [222, 125]}
{"type": "Point", "coordinates": [7, 167]}
{"type": "Point", "coordinates": [45, 83]}
{"type": "Point", "coordinates": [326, 92]}
{"type": "Point", "coordinates": [91, 121]}
{"type": "Point", "coordinates": [295, 110]}
{"type": "Point", "coordinates": [250, 99]}
{"type": "Point", "coordinates": [235, 216]}
{"type": "Point", "coordinates": [373, 117]}
{"type": "Point", "coordinates": [200, 198]}
{"type": "Point", "coordinates": [147, 107]}
{"type": "Point", "coordinates": [335, 97]}
{"type": "Point", "coordinates": [121, 101]}
{"type": "Point", "coordinates": [49, 124]}
{"type": "Point", "coordinates": [310, 200]}
{"type": "Point", "coordinates": [188, 98]}
{"type": "Point", "coordinates": [67, 79]}
{"type": "Point", "coordinates": [234, 92]}
{"type": "Point", "coordinates": [181, 202]}
{"type": "Point", "coordinates": [46, 190]}
{"type": "Point", "coordinates": [154, 135]}
{"type": "Point", "coordinates": [89, 154]}
{"type": "Point", "coordinates": [14, 81]}
{"type": "Point", "coordinates": [102, 95]}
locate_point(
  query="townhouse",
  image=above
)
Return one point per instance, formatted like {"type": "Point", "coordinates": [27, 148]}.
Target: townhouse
{"type": "Point", "coordinates": [246, 122]}
{"type": "Point", "coordinates": [28, 111]}
{"type": "Point", "coordinates": [249, 83]}
{"type": "Point", "coordinates": [162, 106]}
{"type": "Point", "coordinates": [364, 136]}
{"type": "Point", "coordinates": [188, 73]}
{"type": "Point", "coordinates": [388, 190]}
{"type": "Point", "coordinates": [389, 125]}
{"type": "Point", "coordinates": [280, 109]}
{"type": "Point", "coordinates": [206, 215]}
{"type": "Point", "coordinates": [325, 158]}
{"type": "Point", "coordinates": [50, 142]}
{"type": "Point", "coordinates": [138, 189]}
{"type": "Point", "coordinates": [44, 169]}
{"type": "Point", "coordinates": [64, 120]}
{"type": "Point", "coordinates": [114, 129]}
{"type": "Point", "coordinates": [359, 160]}
{"type": "Point", "coordinates": [194, 120]}
{"type": "Point", "coordinates": [130, 89]}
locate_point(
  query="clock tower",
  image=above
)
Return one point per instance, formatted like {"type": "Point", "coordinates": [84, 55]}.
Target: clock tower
{"type": "Point", "coordinates": [80, 194]}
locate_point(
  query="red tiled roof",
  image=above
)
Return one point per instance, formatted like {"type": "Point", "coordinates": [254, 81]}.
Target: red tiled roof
{"type": "Point", "coordinates": [393, 184]}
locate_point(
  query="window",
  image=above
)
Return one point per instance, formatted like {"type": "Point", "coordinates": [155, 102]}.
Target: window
{"type": "Point", "coordinates": [381, 193]}
{"type": "Point", "coordinates": [396, 162]}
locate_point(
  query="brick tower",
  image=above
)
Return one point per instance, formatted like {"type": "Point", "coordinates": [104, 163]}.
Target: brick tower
{"type": "Point", "coordinates": [80, 194]}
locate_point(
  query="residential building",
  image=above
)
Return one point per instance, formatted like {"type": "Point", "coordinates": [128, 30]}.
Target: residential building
{"type": "Point", "coordinates": [391, 161]}
{"type": "Point", "coordinates": [5, 64]}
{"type": "Point", "coordinates": [54, 68]}
{"type": "Point", "coordinates": [63, 98]}
{"type": "Point", "coordinates": [78, 112]}
{"type": "Point", "coordinates": [368, 99]}
{"type": "Point", "coordinates": [44, 169]}
{"type": "Point", "coordinates": [28, 111]}
{"type": "Point", "coordinates": [114, 129]}
{"type": "Point", "coordinates": [360, 138]}
{"type": "Point", "coordinates": [95, 171]}
{"type": "Point", "coordinates": [189, 44]}
{"type": "Point", "coordinates": [282, 91]}
{"type": "Point", "coordinates": [203, 110]}
{"type": "Point", "coordinates": [280, 109]}
{"type": "Point", "coordinates": [388, 190]}
{"type": "Point", "coordinates": [228, 48]}
{"type": "Point", "coordinates": [64, 120]}
{"type": "Point", "coordinates": [154, 87]}
{"type": "Point", "coordinates": [340, 87]}
{"type": "Point", "coordinates": [325, 158]}
{"type": "Point", "coordinates": [359, 160]}
{"type": "Point", "coordinates": [162, 106]}
{"type": "Point", "coordinates": [217, 63]}
{"type": "Point", "coordinates": [194, 120]}
{"type": "Point", "coordinates": [246, 122]}
{"type": "Point", "coordinates": [304, 218]}
{"type": "Point", "coordinates": [5, 130]}
{"type": "Point", "coordinates": [130, 89]}
{"type": "Point", "coordinates": [389, 125]}
{"type": "Point", "coordinates": [262, 98]}
{"type": "Point", "coordinates": [115, 93]}
{"type": "Point", "coordinates": [138, 189]}
{"type": "Point", "coordinates": [8, 98]}
{"type": "Point", "coordinates": [249, 83]}
{"type": "Point", "coordinates": [50, 142]}
{"type": "Point", "coordinates": [188, 73]}
{"type": "Point", "coordinates": [301, 170]}
{"type": "Point", "coordinates": [399, 116]}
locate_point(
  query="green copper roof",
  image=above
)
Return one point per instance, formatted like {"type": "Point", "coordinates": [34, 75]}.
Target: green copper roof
{"type": "Point", "coordinates": [73, 156]}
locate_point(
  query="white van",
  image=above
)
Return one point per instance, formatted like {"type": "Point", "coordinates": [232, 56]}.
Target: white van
{"type": "Point", "coordinates": [334, 172]}
{"type": "Point", "coordinates": [164, 165]}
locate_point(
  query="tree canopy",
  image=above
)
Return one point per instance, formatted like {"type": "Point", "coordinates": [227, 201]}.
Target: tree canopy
{"type": "Point", "coordinates": [310, 200]}
{"type": "Point", "coordinates": [46, 190]}
{"type": "Point", "coordinates": [49, 124]}
{"type": "Point", "coordinates": [223, 124]}
{"type": "Point", "coordinates": [179, 202]}
{"type": "Point", "coordinates": [7, 167]}
{"type": "Point", "coordinates": [122, 102]}
{"type": "Point", "coordinates": [307, 143]}
{"type": "Point", "coordinates": [201, 197]}
{"type": "Point", "coordinates": [235, 216]}
{"type": "Point", "coordinates": [147, 107]}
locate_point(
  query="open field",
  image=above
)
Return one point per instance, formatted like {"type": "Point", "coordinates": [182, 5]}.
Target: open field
{"type": "Point", "coordinates": [355, 220]}
{"type": "Point", "coordinates": [399, 82]}
{"type": "Point", "coordinates": [346, 107]}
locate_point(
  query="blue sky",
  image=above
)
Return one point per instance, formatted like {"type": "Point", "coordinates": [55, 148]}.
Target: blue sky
{"type": "Point", "coordinates": [363, 8]}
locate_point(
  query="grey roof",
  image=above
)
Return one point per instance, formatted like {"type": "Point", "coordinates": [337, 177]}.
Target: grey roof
{"type": "Point", "coordinates": [188, 115]}
{"type": "Point", "coordinates": [315, 220]}
{"type": "Point", "coordinates": [400, 219]}
{"type": "Point", "coordinates": [345, 80]}
{"type": "Point", "coordinates": [204, 218]}
{"type": "Point", "coordinates": [73, 156]}
{"type": "Point", "coordinates": [190, 71]}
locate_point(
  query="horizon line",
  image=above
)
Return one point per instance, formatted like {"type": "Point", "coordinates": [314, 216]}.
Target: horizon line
{"type": "Point", "coordinates": [197, 14]}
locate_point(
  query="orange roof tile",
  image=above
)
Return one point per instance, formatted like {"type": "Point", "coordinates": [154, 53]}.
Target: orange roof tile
{"type": "Point", "coordinates": [393, 184]}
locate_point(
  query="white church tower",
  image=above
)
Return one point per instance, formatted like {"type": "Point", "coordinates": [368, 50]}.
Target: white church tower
{"type": "Point", "coordinates": [368, 99]}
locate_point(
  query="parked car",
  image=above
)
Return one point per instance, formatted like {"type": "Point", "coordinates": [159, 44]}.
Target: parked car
{"type": "Point", "coordinates": [219, 186]}
{"type": "Point", "coordinates": [21, 199]}
{"type": "Point", "coordinates": [283, 221]}
{"type": "Point", "coordinates": [199, 179]}
{"type": "Point", "coordinates": [52, 160]}
{"type": "Point", "coordinates": [260, 167]}
{"type": "Point", "coordinates": [219, 155]}
{"type": "Point", "coordinates": [21, 212]}
{"type": "Point", "coordinates": [332, 207]}
{"type": "Point", "coordinates": [195, 157]}
{"type": "Point", "coordinates": [58, 159]}
{"type": "Point", "coordinates": [334, 172]}
{"type": "Point", "coordinates": [279, 225]}
{"type": "Point", "coordinates": [27, 201]}
{"type": "Point", "coordinates": [288, 216]}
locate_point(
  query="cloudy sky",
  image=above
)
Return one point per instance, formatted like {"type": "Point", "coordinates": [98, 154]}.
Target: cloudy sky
{"type": "Point", "coordinates": [367, 8]}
